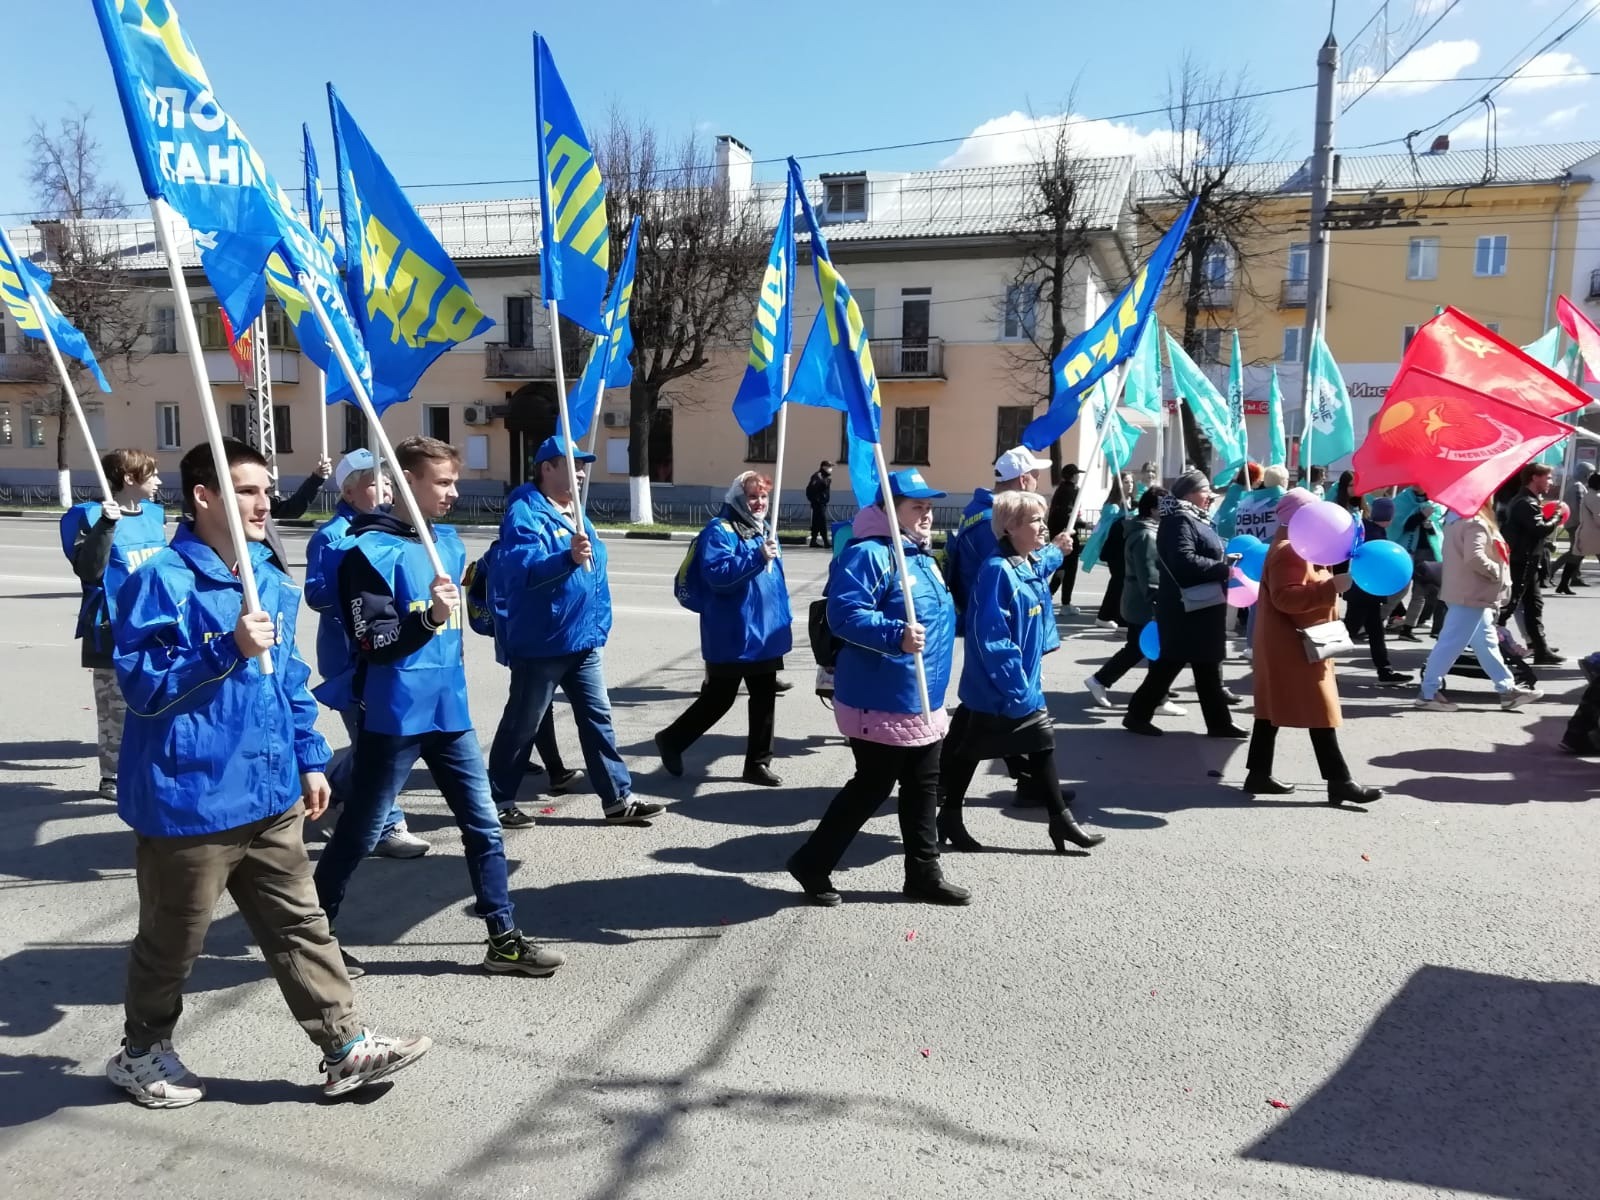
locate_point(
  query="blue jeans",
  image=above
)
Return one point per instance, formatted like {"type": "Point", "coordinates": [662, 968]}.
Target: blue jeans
{"type": "Point", "coordinates": [382, 763]}
{"type": "Point", "coordinates": [340, 774]}
{"type": "Point", "coordinates": [1466, 627]}
{"type": "Point", "coordinates": [533, 686]}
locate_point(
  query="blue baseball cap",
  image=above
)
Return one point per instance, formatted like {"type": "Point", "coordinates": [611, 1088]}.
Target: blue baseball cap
{"type": "Point", "coordinates": [555, 446]}
{"type": "Point", "coordinates": [909, 484]}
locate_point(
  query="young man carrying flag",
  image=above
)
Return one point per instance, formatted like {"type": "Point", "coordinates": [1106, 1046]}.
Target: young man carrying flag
{"type": "Point", "coordinates": [410, 680]}
{"type": "Point", "coordinates": [221, 764]}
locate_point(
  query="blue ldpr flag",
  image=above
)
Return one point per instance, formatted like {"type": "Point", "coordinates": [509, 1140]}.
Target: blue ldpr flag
{"type": "Point", "coordinates": [1086, 359]}
{"type": "Point", "coordinates": [409, 299]}
{"type": "Point", "coordinates": [608, 364]}
{"type": "Point", "coordinates": [316, 214]}
{"type": "Point", "coordinates": [761, 391]}
{"type": "Point", "coordinates": [575, 240]}
{"type": "Point", "coordinates": [837, 362]}
{"type": "Point", "coordinates": [194, 156]}
{"type": "Point", "coordinates": [24, 290]}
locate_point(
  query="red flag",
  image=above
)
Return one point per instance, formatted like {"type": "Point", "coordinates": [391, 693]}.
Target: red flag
{"type": "Point", "coordinates": [1581, 330]}
{"type": "Point", "coordinates": [1455, 443]}
{"type": "Point", "coordinates": [242, 349]}
{"type": "Point", "coordinates": [1456, 347]}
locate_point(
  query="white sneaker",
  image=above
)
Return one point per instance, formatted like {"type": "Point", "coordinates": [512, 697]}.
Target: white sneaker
{"type": "Point", "coordinates": [1099, 624]}
{"type": "Point", "coordinates": [1518, 696]}
{"type": "Point", "coordinates": [1437, 704]}
{"type": "Point", "coordinates": [400, 842]}
{"type": "Point", "coordinates": [370, 1059]}
{"type": "Point", "coordinates": [155, 1079]}
{"type": "Point", "coordinates": [1168, 709]}
{"type": "Point", "coordinates": [1102, 698]}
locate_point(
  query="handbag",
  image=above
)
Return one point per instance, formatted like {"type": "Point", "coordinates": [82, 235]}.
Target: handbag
{"type": "Point", "coordinates": [1323, 641]}
{"type": "Point", "coordinates": [1197, 596]}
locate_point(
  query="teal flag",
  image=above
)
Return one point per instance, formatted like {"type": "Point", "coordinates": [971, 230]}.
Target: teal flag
{"type": "Point", "coordinates": [1120, 436]}
{"type": "Point", "coordinates": [1209, 406]}
{"type": "Point", "coordinates": [1277, 444]}
{"type": "Point", "coordinates": [1329, 430]}
{"type": "Point", "coordinates": [1143, 390]}
{"type": "Point", "coordinates": [1547, 350]}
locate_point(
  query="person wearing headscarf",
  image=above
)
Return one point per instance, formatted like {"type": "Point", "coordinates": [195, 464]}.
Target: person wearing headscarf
{"type": "Point", "coordinates": [744, 628]}
{"type": "Point", "coordinates": [1191, 610]}
{"type": "Point", "coordinates": [1292, 690]}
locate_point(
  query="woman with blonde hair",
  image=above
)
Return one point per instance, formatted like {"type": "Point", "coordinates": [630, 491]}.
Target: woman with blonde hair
{"type": "Point", "coordinates": [744, 628]}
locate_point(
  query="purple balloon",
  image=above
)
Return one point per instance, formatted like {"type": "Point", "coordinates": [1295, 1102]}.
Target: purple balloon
{"type": "Point", "coordinates": [1322, 532]}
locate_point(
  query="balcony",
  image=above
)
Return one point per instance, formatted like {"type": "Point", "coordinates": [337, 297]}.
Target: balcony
{"type": "Point", "coordinates": [284, 366]}
{"type": "Point", "coordinates": [1293, 294]}
{"type": "Point", "coordinates": [501, 361]}
{"type": "Point", "coordinates": [1216, 295]}
{"type": "Point", "coordinates": [29, 367]}
{"type": "Point", "coordinates": [1594, 285]}
{"type": "Point", "coordinates": [895, 358]}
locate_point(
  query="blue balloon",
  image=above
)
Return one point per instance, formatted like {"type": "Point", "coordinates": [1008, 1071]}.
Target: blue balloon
{"type": "Point", "coordinates": [1254, 561]}
{"type": "Point", "coordinates": [1380, 568]}
{"type": "Point", "coordinates": [1150, 642]}
{"type": "Point", "coordinates": [1243, 543]}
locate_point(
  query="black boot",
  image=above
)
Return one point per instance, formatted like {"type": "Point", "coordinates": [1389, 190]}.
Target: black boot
{"type": "Point", "coordinates": [926, 882]}
{"type": "Point", "coordinates": [1064, 829]}
{"type": "Point", "coordinates": [1256, 784]}
{"type": "Point", "coordinates": [761, 774]}
{"type": "Point", "coordinates": [1348, 791]}
{"type": "Point", "coordinates": [953, 830]}
{"type": "Point", "coordinates": [817, 887]}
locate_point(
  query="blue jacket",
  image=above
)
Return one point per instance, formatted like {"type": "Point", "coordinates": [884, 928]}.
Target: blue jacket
{"type": "Point", "coordinates": [210, 742]}
{"type": "Point", "coordinates": [334, 651]}
{"type": "Point", "coordinates": [867, 612]}
{"type": "Point", "coordinates": [409, 676]}
{"type": "Point", "coordinates": [1006, 620]}
{"type": "Point", "coordinates": [553, 606]}
{"type": "Point", "coordinates": [973, 544]}
{"type": "Point", "coordinates": [746, 616]}
{"type": "Point", "coordinates": [103, 554]}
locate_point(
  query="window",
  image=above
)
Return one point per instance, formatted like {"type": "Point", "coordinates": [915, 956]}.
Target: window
{"type": "Point", "coordinates": [911, 436]}
{"type": "Point", "coordinates": [1208, 345]}
{"type": "Point", "coordinates": [355, 428]}
{"type": "Point", "coordinates": [280, 333]}
{"type": "Point", "coordinates": [1214, 267]}
{"type": "Point", "coordinates": [1299, 262]}
{"type": "Point", "coordinates": [169, 433]}
{"type": "Point", "coordinates": [282, 429]}
{"type": "Point", "coordinates": [1293, 338]}
{"type": "Point", "coordinates": [436, 421]}
{"type": "Point", "coordinates": [845, 198]}
{"type": "Point", "coordinates": [519, 321]}
{"type": "Point", "coordinates": [867, 302]}
{"type": "Point", "coordinates": [916, 315]}
{"type": "Point", "coordinates": [239, 423]}
{"type": "Point", "coordinates": [1407, 332]}
{"type": "Point", "coordinates": [5, 425]}
{"type": "Point", "coordinates": [1022, 304]}
{"type": "Point", "coordinates": [163, 330]}
{"type": "Point", "coordinates": [35, 431]}
{"type": "Point", "coordinates": [208, 317]}
{"type": "Point", "coordinates": [2, 335]}
{"type": "Point", "coordinates": [1492, 326]}
{"type": "Point", "coordinates": [1422, 259]}
{"type": "Point", "coordinates": [762, 447]}
{"type": "Point", "coordinates": [1491, 256]}
{"type": "Point", "coordinates": [1010, 421]}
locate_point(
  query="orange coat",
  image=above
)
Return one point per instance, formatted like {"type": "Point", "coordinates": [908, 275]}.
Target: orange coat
{"type": "Point", "coordinates": [1291, 691]}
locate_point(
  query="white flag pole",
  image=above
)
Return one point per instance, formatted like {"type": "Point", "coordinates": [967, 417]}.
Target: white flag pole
{"type": "Point", "coordinates": [321, 393]}
{"type": "Point", "coordinates": [162, 213]}
{"type": "Point", "coordinates": [1099, 443]}
{"type": "Point", "coordinates": [1307, 403]}
{"type": "Point", "coordinates": [566, 419]}
{"type": "Point", "coordinates": [904, 572]}
{"type": "Point", "coordinates": [594, 439]}
{"type": "Point", "coordinates": [61, 369]}
{"type": "Point", "coordinates": [777, 470]}
{"type": "Point", "coordinates": [380, 435]}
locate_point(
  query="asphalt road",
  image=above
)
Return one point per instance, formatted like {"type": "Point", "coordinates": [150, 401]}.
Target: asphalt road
{"type": "Point", "coordinates": [1417, 982]}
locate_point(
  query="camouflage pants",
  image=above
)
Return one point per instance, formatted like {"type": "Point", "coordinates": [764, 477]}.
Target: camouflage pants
{"type": "Point", "coordinates": [110, 710]}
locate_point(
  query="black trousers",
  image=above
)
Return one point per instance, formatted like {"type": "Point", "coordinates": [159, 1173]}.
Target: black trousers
{"type": "Point", "coordinates": [819, 524]}
{"type": "Point", "coordinates": [1158, 683]}
{"type": "Point", "coordinates": [1111, 606]}
{"type": "Point", "coordinates": [1525, 591]}
{"type": "Point", "coordinates": [1067, 577]}
{"type": "Point", "coordinates": [878, 769]}
{"type": "Point", "coordinates": [1324, 743]}
{"type": "Point", "coordinates": [1583, 729]}
{"type": "Point", "coordinates": [1363, 614]}
{"type": "Point", "coordinates": [956, 772]}
{"type": "Point", "coordinates": [1572, 569]}
{"type": "Point", "coordinates": [1125, 659]}
{"type": "Point", "coordinates": [716, 697]}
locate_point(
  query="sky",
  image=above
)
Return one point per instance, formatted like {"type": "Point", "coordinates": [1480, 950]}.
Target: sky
{"type": "Point", "coordinates": [445, 91]}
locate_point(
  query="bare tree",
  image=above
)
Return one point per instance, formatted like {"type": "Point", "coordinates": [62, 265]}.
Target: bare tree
{"type": "Point", "coordinates": [1039, 305]}
{"type": "Point", "coordinates": [1219, 135]}
{"type": "Point", "coordinates": [702, 249]}
{"type": "Point", "coordinates": [91, 288]}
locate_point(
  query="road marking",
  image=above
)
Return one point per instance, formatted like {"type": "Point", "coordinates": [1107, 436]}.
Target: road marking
{"type": "Point", "coordinates": [66, 581]}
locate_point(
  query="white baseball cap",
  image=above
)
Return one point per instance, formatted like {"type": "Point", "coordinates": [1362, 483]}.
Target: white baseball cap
{"type": "Point", "coordinates": [1017, 462]}
{"type": "Point", "coordinates": [356, 460]}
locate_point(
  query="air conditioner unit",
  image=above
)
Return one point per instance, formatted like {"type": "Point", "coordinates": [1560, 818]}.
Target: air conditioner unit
{"type": "Point", "coordinates": [476, 414]}
{"type": "Point", "coordinates": [615, 420]}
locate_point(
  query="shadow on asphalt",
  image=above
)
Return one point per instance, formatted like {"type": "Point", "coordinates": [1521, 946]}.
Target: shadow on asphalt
{"type": "Point", "coordinates": [612, 911]}
{"type": "Point", "coordinates": [1465, 1081]}
{"type": "Point", "coordinates": [1539, 770]}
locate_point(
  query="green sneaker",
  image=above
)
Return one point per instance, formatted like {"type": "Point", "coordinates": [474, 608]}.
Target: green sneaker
{"type": "Point", "coordinates": [513, 954]}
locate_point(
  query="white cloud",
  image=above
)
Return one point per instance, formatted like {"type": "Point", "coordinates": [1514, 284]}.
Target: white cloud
{"type": "Point", "coordinates": [1420, 71]}
{"type": "Point", "coordinates": [1019, 137]}
{"type": "Point", "coordinates": [1474, 130]}
{"type": "Point", "coordinates": [1429, 8]}
{"type": "Point", "coordinates": [1552, 70]}
{"type": "Point", "coordinates": [1561, 116]}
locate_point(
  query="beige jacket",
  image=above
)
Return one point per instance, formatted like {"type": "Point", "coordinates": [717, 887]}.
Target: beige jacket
{"type": "Point", "coordinates": [1477, 573]}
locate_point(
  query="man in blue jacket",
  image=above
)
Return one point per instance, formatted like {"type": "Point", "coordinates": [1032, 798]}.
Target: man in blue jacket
{"type": "Point", "coordinates": [550, 581]}
{"type": "Point", "coordinates": [363, 488]}
{"type": "Point", "coordinates": [411, 682]}
{"type": "Point", "coordinates": [221, 764]}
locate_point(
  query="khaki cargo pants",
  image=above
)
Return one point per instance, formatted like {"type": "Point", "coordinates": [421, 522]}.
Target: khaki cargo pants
{"type": "Point", "coordinates": [110, 711]}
